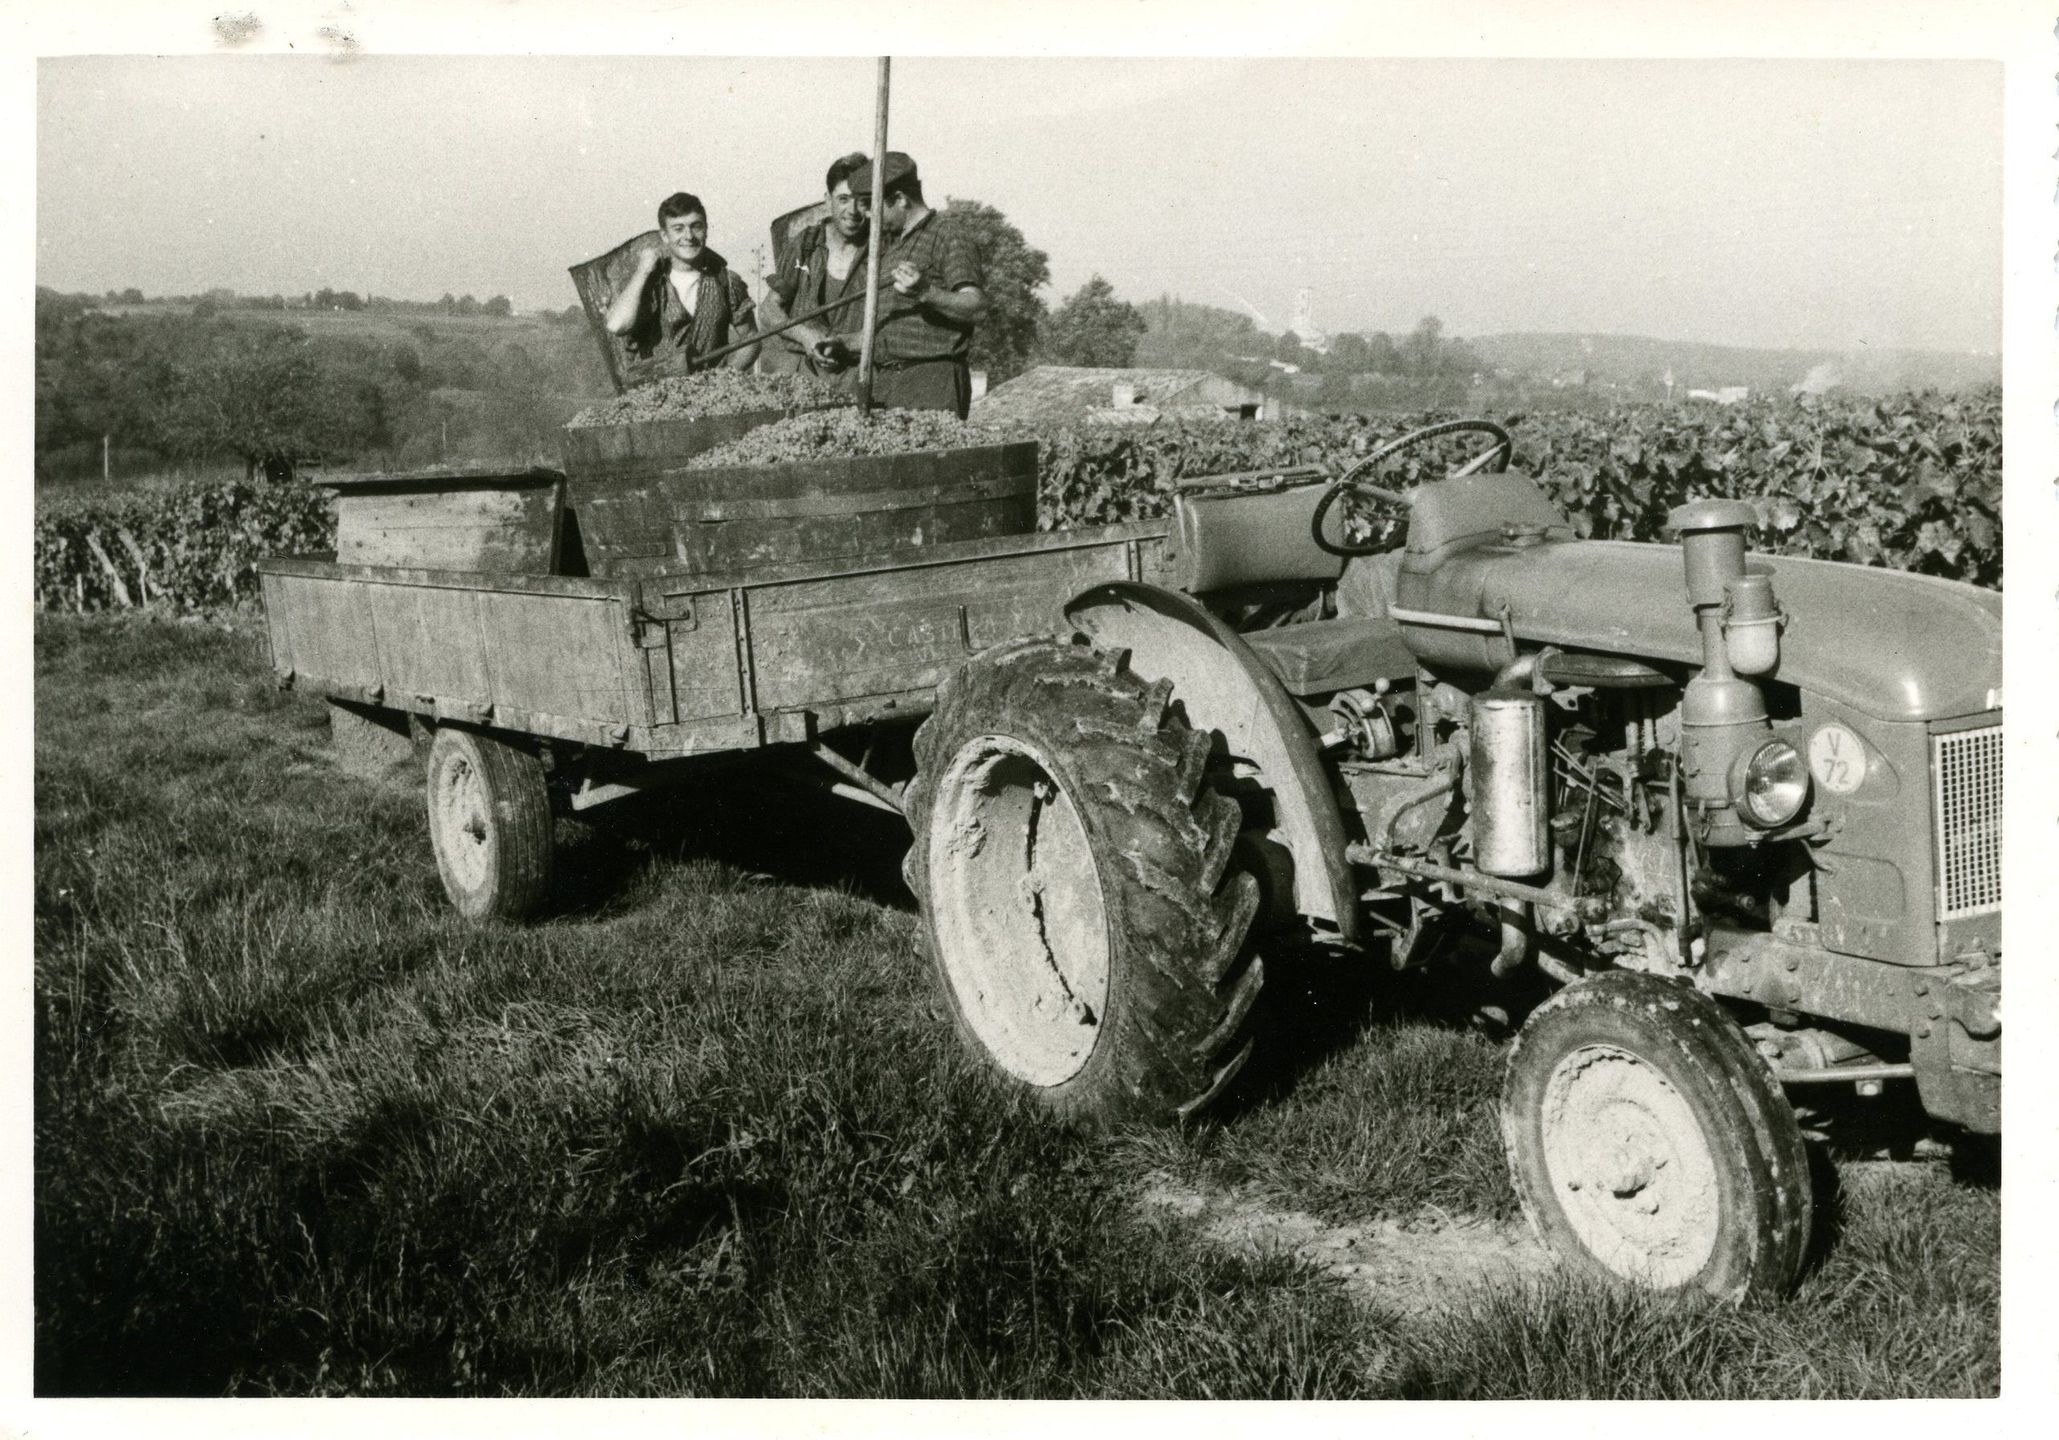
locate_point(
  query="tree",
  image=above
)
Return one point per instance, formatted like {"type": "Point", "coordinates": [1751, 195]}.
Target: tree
{"type": "Point", "coordinates": [500, 306]}
{"type": "Point", "coordinates": [1349, 354]}
{"type": "Point", "coordinates": [1421, 351]}
{"type": "Point", "coordinates": [269, 396]}
{"type": "Point", "coordinates": [1183, 336]}
{"type": "Point", "coordinates": [1093, 328]}
{"type": "Point", "coordinates": [1006, 335]}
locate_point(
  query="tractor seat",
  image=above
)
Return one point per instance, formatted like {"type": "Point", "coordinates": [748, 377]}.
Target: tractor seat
{"type": "Point", "coordinates": [1234, 545]}
{"type": "Point", "coordinates": [1324, 655]}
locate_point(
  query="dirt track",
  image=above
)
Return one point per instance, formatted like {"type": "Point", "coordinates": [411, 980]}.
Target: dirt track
{"type": "Point", "coordinates": [1408, 1267]}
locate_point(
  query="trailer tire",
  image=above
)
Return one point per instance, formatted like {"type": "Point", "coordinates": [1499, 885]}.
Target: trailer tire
{"type": "Point", "coordinates": [1086, 927]}
{"type": "Point", "coordinates": [489, 823]}
{"type": "Point", "coordinates": [1649, 1143]}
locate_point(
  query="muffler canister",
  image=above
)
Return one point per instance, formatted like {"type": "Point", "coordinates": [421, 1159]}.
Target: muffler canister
{"type": "Point", "coordinates": [1511, 777]}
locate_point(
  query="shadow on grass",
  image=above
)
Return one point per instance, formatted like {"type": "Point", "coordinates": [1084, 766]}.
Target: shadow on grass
{"type": "Point", "coordinates": [754, 816]}
{"type": "Point", "coordinates": [1320, 1002]}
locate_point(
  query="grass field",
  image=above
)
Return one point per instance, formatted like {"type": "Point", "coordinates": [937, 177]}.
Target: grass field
{"type": "Point", "coordinates": [701, 1131]}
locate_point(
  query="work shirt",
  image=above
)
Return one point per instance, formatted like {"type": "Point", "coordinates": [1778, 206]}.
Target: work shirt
{"type": "Point", "coordinates": [948, 258]}
{"type": "Point", "coordinates": [804, 283]}
{"type": "Point", "coordinates": [667, 334]}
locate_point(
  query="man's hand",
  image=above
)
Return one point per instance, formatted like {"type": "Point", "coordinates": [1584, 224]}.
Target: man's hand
{"type": "Point", "coordinates": [908, 282]}
{"type": "Point", "coordinates": [650, 252]}
{"type": "Point", "coordinates": [832, 353]}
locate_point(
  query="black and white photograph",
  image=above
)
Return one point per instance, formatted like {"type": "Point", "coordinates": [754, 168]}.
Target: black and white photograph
{"type": "Point", "coordinates": [1193, 703]}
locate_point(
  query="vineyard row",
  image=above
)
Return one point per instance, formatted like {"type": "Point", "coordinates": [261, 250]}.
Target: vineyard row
{"type": "Point", "coordinates": [1913, 484]}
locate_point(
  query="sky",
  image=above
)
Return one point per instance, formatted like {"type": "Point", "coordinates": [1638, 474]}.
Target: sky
{"type": "Point", "coordinates": [1805, 203]}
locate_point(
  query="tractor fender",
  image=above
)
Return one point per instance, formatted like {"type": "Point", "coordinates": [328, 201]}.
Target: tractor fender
{"type": "Point", "coordinates": [1227, 689]}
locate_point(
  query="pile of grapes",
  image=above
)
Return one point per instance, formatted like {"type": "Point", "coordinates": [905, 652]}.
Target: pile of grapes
{"type": "Point", "coordinates": [712, 392]}
{"type": "Point", "coordinates": [822, 433]}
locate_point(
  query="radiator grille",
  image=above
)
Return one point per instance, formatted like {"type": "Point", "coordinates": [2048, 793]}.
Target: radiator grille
{"type": "Point", "coordinates": [1967, 771]}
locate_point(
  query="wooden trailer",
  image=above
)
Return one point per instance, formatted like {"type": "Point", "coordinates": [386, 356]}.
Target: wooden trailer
{"type": "Point", "coordinates": [550, 640]}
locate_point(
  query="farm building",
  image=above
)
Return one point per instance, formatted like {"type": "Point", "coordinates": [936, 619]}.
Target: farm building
{"type": "Point", "coordinates": [1065, 392]}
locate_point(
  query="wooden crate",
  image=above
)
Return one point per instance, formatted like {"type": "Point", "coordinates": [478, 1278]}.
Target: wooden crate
{"type": "Point", "coordinates": [492, 520]}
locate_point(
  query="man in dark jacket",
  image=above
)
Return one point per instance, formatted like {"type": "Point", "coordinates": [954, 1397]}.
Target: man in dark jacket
{"type": "Point", "coordinates": [824, 262]}
{"type": "Point", "coordinates": [921, 348]}
{"type": "Point", "coordinates": [682, 300]}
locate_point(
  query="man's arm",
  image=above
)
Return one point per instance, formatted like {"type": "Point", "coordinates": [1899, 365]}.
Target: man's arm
{"type": "Point", "coordinates": [777, 305]}
{"type": "Point", "coordinates": [628, 301]}
{"type": "Point", "coordinates": [743, 320]}
{"type": "Point", "coordinates": [959, 293]}
{"type": "Point", "coordinates": [964, 303]}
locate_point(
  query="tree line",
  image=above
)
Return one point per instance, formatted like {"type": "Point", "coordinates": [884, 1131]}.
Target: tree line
{"type": "Point", "coordinates": [190, 389]}
{"type": "Point", "coordinates": [221, 298]}
{"type": "Point", "coordinates": [188, 381]}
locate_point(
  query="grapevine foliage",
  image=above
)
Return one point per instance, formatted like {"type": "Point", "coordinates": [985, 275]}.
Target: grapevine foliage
{"type": "Point", "coordinates": [1911, 484]}
{"type": "Point", "coordinates": [195, 547]}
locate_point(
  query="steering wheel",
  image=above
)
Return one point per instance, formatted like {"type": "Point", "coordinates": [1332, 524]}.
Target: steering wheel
{"type": "Point", "coordinates": [1493, 460]}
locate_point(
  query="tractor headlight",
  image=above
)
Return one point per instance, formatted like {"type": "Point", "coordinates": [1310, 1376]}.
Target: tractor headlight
{"type": "Point", "coordinates": [1771, 785]}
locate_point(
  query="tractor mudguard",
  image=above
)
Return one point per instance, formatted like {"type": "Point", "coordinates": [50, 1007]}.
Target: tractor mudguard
{"type": "Point", "coordinates": [1227, 689]}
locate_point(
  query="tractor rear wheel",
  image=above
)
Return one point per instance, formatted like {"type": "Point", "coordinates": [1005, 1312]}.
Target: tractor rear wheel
{"type": "Point", "coordinates": [1088, 931]}
{"type": "Point", "coordinates": [489, 823]}
{"type": "Point", "coordinates": [1649, 1143]}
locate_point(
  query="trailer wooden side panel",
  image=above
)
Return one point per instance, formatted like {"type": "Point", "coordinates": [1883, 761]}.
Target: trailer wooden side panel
{"type": "Point", "coordinates": [555, 655]}
{"type": "Point", "coordinates": [679, 664]}
{"type": "Point", "coordinates": [821, 641]}
{"type": "Point", "coordinates": [563, 655]}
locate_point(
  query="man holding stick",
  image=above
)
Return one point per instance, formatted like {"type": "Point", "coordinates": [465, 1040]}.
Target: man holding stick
{"type": "Point", "coordinates": [924, 334]}
{"type": "Point", "coordinates": [822, 264]}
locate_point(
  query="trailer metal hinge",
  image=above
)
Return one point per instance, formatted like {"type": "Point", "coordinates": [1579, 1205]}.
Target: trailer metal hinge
{"type": "Point", "coordinates": [676, 609]}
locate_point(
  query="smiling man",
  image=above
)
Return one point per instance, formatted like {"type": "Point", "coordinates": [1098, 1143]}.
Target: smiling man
{"type": "Point", "coordinates": [924, 336]}
{"type": "Point", "coordinates": [682, 301]}
{"type": "Point", "coordinates": [825, 262]}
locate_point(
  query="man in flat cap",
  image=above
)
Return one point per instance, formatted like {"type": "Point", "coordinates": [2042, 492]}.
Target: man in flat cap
{"type": "Point", "coordinates": [924, 337]}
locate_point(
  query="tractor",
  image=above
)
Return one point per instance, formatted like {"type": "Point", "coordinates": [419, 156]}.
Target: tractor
{"type": "Point", "coordinates": [1741, 817]}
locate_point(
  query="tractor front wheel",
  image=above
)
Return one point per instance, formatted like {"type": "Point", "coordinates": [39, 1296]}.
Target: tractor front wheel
{"type": "Point", "coordinates": [1649, 1143]}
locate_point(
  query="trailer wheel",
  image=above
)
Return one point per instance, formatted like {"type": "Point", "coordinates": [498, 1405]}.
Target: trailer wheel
{"type": "Point", "coordinates": [1074, 869]}
{"type": "Point", "coordinates": [489, 823]}
{"type": "Point", "coordinates": [1649, 1143]}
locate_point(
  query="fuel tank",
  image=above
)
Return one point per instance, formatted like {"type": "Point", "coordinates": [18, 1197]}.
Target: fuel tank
{"type": "Point", "coordinates": [1892, 645]}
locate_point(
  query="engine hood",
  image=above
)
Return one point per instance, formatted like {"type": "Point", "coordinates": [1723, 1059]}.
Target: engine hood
{"type": "Point", "coordinates": [1889, 644]}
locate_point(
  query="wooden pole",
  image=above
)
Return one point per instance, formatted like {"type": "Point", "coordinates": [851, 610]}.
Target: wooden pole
{"type": "Point", "coordinates": [106, 470]}
{"type": "Point", "coordinates": [879, 172]}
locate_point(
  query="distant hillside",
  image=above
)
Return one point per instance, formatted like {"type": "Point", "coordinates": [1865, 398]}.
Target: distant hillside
{"type": "Point", "coordinates": [1634, 360]}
